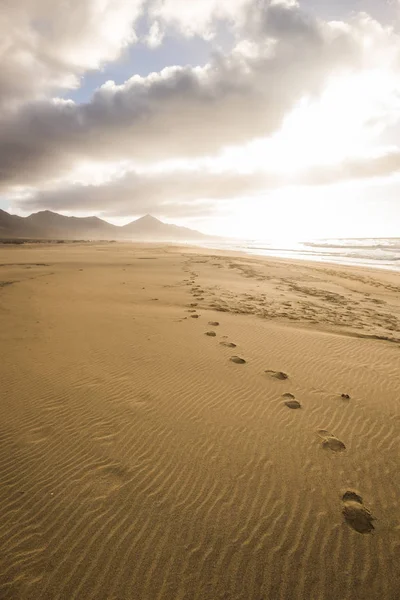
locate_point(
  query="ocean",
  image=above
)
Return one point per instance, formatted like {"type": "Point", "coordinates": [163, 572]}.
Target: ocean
{"type": "Point", "coordinates": [382, 253]}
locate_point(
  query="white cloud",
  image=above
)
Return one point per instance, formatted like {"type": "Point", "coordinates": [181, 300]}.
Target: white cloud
{"type": "Point", "coordinates": [155, 35]}
{"type": "Point", "coordinates": [46, 45]}
{"type": "Point", "coordinates": [198, 17]}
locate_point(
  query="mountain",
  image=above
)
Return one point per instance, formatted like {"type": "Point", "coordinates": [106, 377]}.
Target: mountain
{"type": "Point", "coordinates": [14, 226]}
{"type": "Point", "coordinates": [148, 227]}
{"type": "Point", "coordinates": [53, 225]}
{"type": "Point", "coordinates": [49, 225]}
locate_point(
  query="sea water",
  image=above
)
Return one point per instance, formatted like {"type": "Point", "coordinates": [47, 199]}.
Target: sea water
{"type": "Point", "coordinates": [381, 253]}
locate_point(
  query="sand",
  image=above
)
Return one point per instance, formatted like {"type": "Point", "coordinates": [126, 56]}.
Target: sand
{"type": "Point", "coordinates": [138, 461]}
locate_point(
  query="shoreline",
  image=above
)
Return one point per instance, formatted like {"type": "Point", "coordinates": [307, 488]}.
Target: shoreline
{"type": "Point", "coordinates": [318, 259]}
{"type": "Point", "coordinates": [377, 270]}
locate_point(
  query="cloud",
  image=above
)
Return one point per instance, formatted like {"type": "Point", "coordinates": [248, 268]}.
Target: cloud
{"type": "Point", "coordinates": [167, 194]}
{"type": "Point", "coordinates": [198, 18]}
{"type": "Point", "coordinates": [155, 35]}
{"type": "Point", "coordinates": [193, 192]}
{"type": "Point", "coordinates": [47, 45]}
{"type": "Point", "coordinates": [188, 112]}
{"type": "Point", "coordinates": [363, 168]}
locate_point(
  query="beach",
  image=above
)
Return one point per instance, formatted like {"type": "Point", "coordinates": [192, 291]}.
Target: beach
{"type": "Point", "coordinates": [193, 424]}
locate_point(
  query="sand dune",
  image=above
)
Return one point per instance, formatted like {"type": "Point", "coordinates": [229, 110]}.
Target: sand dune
{"type": "Point", "coordinates": [139, 462]}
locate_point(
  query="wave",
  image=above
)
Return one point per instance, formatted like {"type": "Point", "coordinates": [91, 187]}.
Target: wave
{"type": "Point", "coordinates": [380, 252]}
{"type": "Point", "coordinates": [388, 244]}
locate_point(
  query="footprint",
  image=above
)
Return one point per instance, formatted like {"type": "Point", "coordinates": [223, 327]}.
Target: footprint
{"type": "Point", "coordinates": [193, 304]}
{"type": "Point", "coordinates": [194, 316]}
{"type": "Point", "coordinates": [352, 496]}
{"type": "Point", "coordinates": [228, 344]}
{"type": "Point", "coordinates": [356, 515]}
{"type": "Point", "coordinates": [293, 404]}
{"type": "Point", "coordinates": [277, 374]}
{"type": "Point", "coordinates": [345, 396]}
{"type": "Point", "coordinates": [331, 442]}
{"type": "Point", "coordinates": [191, 310]}
{"type": "Point", "coordinates": [211, 333]}
{"type": "Point", "coordinates": [237, 360]}
{"type": "Point", "coordinates": [213, 323]}
{"type": "Point", "coordinates": [288, 395]}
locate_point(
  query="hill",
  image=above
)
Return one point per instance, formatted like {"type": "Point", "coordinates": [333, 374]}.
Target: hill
{"type": "Point", "coordinates": [50, 225]}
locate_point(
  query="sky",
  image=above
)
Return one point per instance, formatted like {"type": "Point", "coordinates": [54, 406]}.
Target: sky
{"type": "Point", "coordinates": [267, 119]}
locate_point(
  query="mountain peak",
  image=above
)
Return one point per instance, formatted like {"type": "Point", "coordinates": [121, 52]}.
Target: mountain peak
{"type": "Point", "coordinates": [45, 217]}
{"type": "Point", "coordinates": [148, 219]}
{"type": "Point", "coordinates": [44, 213]}
{"type": "Point", "coordinates": [46, 224]}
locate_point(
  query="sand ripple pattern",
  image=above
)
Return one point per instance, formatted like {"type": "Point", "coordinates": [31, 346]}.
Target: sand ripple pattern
{"type": "Point", "coordinates": [138, 463]}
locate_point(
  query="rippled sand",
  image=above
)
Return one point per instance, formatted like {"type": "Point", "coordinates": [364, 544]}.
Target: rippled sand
{"type": "Point", "coordinates": [138, 461]}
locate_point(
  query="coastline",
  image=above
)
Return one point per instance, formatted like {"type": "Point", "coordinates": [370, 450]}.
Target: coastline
{"type": "Point", "coordinates": [363, 256]}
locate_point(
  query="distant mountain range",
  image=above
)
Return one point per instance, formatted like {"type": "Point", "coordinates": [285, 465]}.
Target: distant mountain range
{"type": "Point", "coordinates": [49, 225]}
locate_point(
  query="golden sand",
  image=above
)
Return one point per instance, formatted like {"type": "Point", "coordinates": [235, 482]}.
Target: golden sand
{"type": "Point", "coordinates": [138, 461]}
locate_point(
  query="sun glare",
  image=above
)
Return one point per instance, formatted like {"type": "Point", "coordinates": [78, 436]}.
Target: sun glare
{"type": "Point", "coordinates": [342, 123]}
